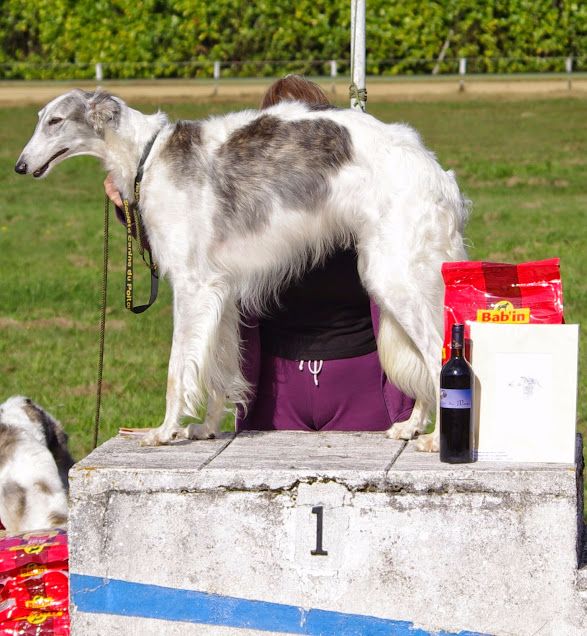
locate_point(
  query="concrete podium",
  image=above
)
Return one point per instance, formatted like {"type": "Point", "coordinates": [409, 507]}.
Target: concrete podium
{"type": "Point", "coordinates": [326, 533]}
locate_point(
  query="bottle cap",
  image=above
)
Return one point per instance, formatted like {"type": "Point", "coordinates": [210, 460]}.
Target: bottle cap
{"type": "Point", "coordinates": [457, 335]}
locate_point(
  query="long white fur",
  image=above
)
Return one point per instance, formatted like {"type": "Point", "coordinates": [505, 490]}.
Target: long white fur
{"type": "Point", "coordinates": [404, 212]}
{"type": "Point", "coordinates": [32, 491]}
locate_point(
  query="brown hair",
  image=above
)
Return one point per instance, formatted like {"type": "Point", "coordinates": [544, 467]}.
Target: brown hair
{"type": "Point", "coordinates": [294, 87]}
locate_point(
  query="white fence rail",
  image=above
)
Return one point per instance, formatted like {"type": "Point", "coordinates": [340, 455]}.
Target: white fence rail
{"type": "Point", "coordinates": [220, 69]}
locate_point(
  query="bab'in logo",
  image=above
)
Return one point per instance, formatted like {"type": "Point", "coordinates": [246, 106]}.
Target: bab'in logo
{"type": "Point", "coordinates": [504, 311]}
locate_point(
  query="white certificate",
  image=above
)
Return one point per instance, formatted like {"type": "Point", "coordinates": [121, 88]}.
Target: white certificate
{"type": "Point", "coordinates": [525, 398]}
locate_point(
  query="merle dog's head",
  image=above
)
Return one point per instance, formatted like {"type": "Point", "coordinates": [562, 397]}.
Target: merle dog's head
{"type": "Point", "coordinates": [70, 125]}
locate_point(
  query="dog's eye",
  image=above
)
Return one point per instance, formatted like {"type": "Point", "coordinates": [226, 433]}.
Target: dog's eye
{"type": "Point", "coordinates": [54, 120]}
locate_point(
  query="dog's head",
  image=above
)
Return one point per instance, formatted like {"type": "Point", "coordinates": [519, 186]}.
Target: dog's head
{"type": "Point", "coordinates": [70, 125]}
{"type": "Point", "coordinates": [23, 414]}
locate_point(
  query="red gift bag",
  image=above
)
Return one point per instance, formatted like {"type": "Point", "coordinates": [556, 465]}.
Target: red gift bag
{"type": "Point", "coordinates": [501, 293]}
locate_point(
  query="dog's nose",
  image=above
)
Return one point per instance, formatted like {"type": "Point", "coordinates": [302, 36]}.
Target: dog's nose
{"type": "Point", "coordinates": [20, 167]}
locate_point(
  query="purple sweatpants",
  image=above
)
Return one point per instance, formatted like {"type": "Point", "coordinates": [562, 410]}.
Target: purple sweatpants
{"type": "Point", "coordinates": [335, 395]}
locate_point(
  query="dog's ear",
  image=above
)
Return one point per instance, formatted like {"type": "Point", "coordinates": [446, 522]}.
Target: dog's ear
{"type": "Point", "coordinates": [55, 437]}
{"type": "Point", "coordinates": [103, 110]}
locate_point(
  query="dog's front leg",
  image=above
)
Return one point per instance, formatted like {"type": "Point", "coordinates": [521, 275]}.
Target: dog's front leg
{"type": "Point", "coordinates": [185, 325]}
{"type": "Point", "coordinates": [174, 398]}
{"type": "Point", "coordinates": [196, 319]}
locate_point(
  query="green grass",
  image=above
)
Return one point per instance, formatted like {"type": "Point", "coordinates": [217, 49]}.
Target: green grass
{"type": "Point", "coordinates": [522, 163]}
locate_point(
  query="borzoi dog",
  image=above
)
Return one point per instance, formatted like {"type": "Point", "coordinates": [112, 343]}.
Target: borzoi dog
{"type": "Point", "coordinates": [34, 462]}
{"type": "Point", "coordinates": [235, 205]}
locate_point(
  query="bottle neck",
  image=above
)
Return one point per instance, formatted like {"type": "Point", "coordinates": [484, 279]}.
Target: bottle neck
{"type": "Point", "coordinates": [457, 341]}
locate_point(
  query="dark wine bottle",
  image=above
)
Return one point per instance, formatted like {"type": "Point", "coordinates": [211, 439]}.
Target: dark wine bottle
{"type": "Point", "coordinates": [456, 404]}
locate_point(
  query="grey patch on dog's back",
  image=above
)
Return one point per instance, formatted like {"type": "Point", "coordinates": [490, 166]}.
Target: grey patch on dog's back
{"type": "Point", "coordinates": [14, 496]}
{"type": "Point", "coordinates": [9, 440]}
{"type": "Point", "coordinates": [43, 487]}
{"type": "Point", "coordinates": [183, 153]}
{"type": "Point", "coordinates": [57, 520]}
{"type": "Point", "coordinates": [318, 107]}
{"type": "Point", "coordinates": [269, 159]}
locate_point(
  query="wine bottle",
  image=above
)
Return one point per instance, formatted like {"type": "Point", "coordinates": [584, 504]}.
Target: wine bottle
{"type": "Point", "coordinates": [456, 404]}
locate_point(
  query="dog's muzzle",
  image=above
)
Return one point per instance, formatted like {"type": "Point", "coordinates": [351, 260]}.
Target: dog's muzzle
{"type": "Point", "coordinates": [20, 167]}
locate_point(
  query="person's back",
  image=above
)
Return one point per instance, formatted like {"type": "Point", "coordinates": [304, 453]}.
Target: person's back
{"type": "Point", "coordinates": [325, 315]}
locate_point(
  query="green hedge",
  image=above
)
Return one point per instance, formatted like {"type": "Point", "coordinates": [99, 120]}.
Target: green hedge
{"type": "Point", "coordinates": [60, 39]}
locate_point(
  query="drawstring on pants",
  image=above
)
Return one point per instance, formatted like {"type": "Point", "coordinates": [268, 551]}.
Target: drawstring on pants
{"type": "Point", "coordinates": [314, 367]}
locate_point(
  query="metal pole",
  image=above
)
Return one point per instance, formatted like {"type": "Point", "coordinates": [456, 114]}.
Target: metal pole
{"type": "Point", "coordinates": [358, 91]}
{"type": "Point", "coordinates": [216, 76]}
{"type": "Point", "coordinates": [333, 69]}
{"type": "Point", "coordinates": [462, 72]}
{"type": "Point", "coordinates": [569, 70]}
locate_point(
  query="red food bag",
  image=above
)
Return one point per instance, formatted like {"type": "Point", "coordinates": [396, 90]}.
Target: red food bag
{"type": "Point", "coordinates": [501, 293]}
{"type": "Point", "coordinates": [36, 604]}
{"type": "Point", "coordinates": [34, 584]}
{"type": "Point", "coordinates": [39, 546]}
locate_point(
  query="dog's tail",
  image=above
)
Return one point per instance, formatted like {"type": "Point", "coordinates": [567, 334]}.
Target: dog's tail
{"type": "Point", "coordinates": [402, 362]}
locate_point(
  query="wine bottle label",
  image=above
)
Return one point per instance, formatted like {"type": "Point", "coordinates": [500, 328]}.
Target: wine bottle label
{"type": "Point", "coordinates": [455, 398]}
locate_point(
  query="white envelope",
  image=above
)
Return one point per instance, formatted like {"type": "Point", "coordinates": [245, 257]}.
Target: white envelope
{"type": "Point", "coordinates": [525, 399]}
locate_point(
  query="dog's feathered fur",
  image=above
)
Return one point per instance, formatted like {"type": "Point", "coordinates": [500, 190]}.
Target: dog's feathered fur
{"type": "Point", "coordinates": [234, 206]}
{"type": "Point", "coordinates": [34, 462]}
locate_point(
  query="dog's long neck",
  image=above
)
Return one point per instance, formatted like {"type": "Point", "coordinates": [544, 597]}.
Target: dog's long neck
{"type": "Point", "coordinates": [125, 145]}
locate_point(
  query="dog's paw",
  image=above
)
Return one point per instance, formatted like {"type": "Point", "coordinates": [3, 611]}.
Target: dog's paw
{"type": "Point", "coordinates": [413, 426]}
{"type": "Point", "coordinates": [161, 436]}
{"type": "Point", "coordinates": [198, 431]}
{"type": "Point", "coordinates": [403, 430]}
{"type": "Point", "coordinates": [428, 443]}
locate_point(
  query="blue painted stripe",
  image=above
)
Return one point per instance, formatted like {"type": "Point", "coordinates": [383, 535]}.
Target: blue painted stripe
{"type": "Point", "coordinates": [112, 596]}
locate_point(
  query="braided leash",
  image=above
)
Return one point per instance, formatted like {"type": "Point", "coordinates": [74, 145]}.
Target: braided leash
{"type": "Point", "coordinates": [102, 322]}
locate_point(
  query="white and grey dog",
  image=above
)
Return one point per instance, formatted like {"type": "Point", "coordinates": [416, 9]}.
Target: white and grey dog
{"type": "Point", "coordinates": [34, 462]}
{"type": "Point", "coordinates": [233, 207]}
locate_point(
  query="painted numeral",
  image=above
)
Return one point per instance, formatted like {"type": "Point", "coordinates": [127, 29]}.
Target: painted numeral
{"type": "Point", "coordinates": [319, 512]}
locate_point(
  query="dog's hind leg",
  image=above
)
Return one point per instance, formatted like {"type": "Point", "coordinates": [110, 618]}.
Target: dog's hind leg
{"type": "Point", "coordinates": [404, 366]}
{"type": "Point", "coordinates": [408, 308]}
{"type": "Point", "coordinates": [210, 427]}
{"type": "Point", "coordinates": [424, 355]}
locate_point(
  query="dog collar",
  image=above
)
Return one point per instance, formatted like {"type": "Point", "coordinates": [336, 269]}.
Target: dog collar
{"type": "Point", "coordinates": [141, 166]}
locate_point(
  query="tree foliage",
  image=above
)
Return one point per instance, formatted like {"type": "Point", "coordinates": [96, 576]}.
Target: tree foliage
{"type": "Point", "coordinates": [182, 38]}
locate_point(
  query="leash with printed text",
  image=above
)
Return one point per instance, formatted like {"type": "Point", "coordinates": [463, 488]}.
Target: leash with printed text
{"type": "Point", "coordinates": [132, 215]}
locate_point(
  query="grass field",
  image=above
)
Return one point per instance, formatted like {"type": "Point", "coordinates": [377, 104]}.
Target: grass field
{"type": "Point", "coordinates": [522, 163]}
